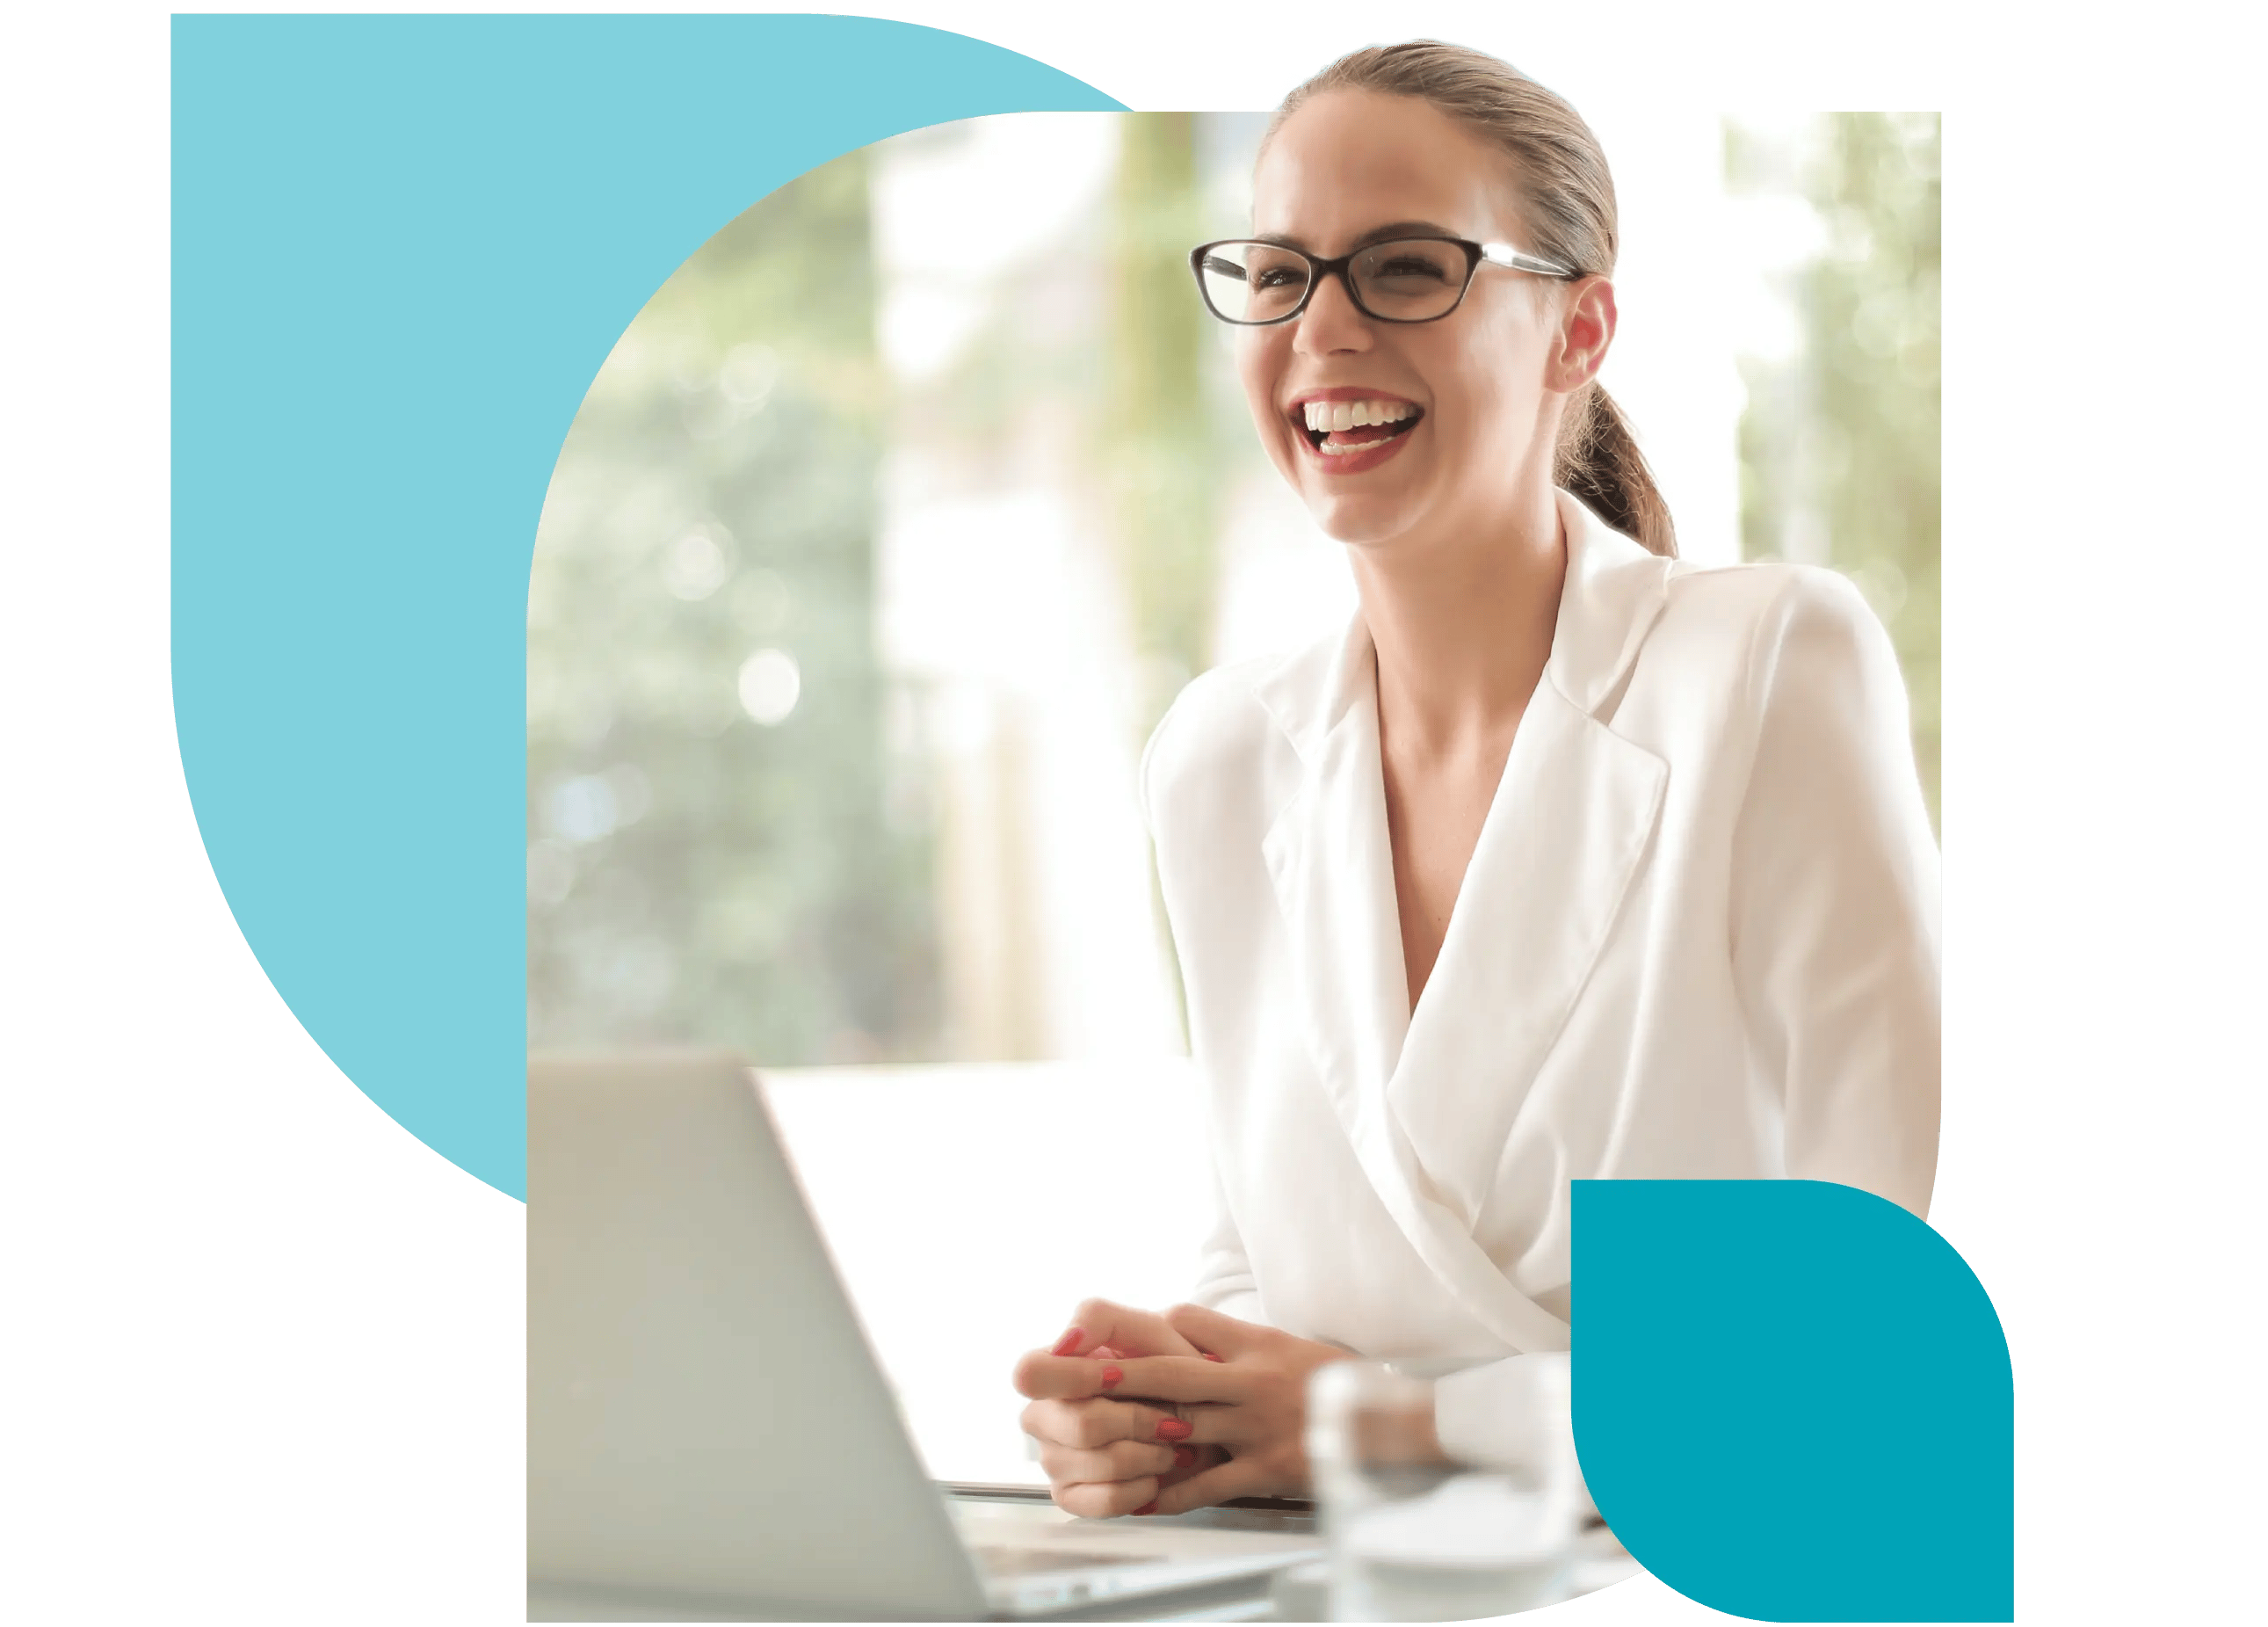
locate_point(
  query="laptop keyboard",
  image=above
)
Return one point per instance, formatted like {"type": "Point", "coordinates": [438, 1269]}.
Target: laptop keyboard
{"type": "Point", "coordinates": [1006, 1561]}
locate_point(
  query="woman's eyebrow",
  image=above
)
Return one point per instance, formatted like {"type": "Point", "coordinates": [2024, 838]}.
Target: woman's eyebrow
{"type": "Point", "coordinates": [1376, 234]}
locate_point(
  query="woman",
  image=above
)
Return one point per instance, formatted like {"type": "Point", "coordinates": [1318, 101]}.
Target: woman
{"type": "Point", "coordinates": [1565, 861]}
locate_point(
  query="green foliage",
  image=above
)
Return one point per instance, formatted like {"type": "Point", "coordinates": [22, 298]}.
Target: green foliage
{"type": "Point", "coordinates": [1839, 449]}
{"type": "Point", "coordinates": [695, 875]}
{"type": "Point", "coordinates": [1159, 456]}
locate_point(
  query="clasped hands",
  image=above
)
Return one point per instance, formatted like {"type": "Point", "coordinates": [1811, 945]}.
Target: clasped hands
{"type": "Point", "coordinates": [1142, 1413]}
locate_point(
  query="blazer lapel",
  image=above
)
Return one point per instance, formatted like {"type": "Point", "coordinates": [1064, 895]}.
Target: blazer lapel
{"type": "Point", "coordinates": [1563, 838]}
{"type": "Point", "coordinates": [1327, 855]}
{"type": "Point", "coordinates": [1426, 1102]}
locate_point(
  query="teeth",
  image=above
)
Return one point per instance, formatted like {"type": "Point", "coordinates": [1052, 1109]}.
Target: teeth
{"type": "Point", "coordinates": [1341, 415]}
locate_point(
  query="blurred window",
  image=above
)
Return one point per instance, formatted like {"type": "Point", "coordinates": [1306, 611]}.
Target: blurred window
{"type": "Point", "coordinates": [899, 513]}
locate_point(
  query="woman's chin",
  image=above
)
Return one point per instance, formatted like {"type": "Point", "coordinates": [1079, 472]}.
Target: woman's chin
{"type": "Point", "coordinates": [1368, 507]}
{"type": "Point", "coordinates": [1361, 519]}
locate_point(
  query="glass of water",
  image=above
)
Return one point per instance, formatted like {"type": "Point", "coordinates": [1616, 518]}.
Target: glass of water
{"type": "Point", "coordinates": [1419, 1534]}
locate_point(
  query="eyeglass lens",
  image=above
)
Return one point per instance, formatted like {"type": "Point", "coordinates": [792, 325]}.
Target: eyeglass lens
{"type": "Point", "coordinates": [1411, 280]}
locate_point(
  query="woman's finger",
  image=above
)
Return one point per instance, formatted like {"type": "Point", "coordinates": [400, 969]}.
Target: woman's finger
{"type": "Point", "coordinates": [1123, 1328]}
{"type": "Point", "coordinates": [1106, 1500]}
{"type": "Point", "coordinates": [1040, 1373]}
{"type": "Point", "coordinates": [1091, 1426]}
{"type": "Point", "coordinates": [1180, 1379]}
{"type": "Point", "coordinates": [1203, 1423]}
{"type": "Point", "coordinates": [1237, 1477]}
{"type": "Point", "coordinates": [1225, 1337]}
{"type": "Point", "coordinates": [1121, 1460]}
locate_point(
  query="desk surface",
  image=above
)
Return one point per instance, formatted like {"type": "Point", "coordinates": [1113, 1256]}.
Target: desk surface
{"type": "Point", "coordinates": [1243, 1599]}
{"type": "Point", "coordinates": [1600, 1562]}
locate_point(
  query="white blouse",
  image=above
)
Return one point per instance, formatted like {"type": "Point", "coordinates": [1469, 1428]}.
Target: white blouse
{"type": "Point", "coordinates": [1697, 938]}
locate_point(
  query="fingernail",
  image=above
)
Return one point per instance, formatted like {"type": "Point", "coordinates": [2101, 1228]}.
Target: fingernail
{"type": "Point", "coordinates": [1183, 1456]}
{"type": "Point", "coordinates": [1068, 1342]}
{"type": "Point", "coordinates": [1210, 1356]}
{"type": "Point", "coordinates": [1150, 1507]}
{"type": "Point", "coordinates": [1173, 1428]}
{"type": "Point", "coordinates": [1110, 1376]}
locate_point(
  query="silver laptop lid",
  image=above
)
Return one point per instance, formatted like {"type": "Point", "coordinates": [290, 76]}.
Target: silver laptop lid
{"type": "Point", "coordinates": [704, 1417]}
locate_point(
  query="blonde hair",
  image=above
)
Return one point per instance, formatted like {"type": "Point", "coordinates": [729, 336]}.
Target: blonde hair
{"type": "Point", "coordinates": [1570, 215]}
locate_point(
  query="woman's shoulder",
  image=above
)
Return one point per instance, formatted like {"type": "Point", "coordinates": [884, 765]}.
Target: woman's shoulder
{"type": "Point", "coordinates": [1225, 736]}
{"type": "Point", "coordinates": [1766, 640]}
{"type": "Point", "coordinates": [1749, 618]}
{"type": "Point", "coordinates": [1746, 594]}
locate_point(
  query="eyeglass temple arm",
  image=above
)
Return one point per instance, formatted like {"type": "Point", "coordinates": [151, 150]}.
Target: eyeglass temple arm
{"type": "Point", "coordinates": [1504, 253]}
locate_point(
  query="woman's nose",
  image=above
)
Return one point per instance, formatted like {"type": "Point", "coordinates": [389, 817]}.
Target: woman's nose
{"type": "Point", "coordinates": [1331, 323]}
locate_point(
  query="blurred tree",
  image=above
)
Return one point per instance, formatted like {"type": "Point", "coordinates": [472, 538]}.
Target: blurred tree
{"type": "Point", "coordinates": [1839, 448]}
{"type": "Point", "coordinates": [1158, 456]}
{"type": "Point", "coordinates": [714, 855]}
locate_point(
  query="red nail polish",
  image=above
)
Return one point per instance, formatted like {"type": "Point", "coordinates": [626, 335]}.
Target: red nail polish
{"type": "Point", "coordinates": [1110, 1376]}
{"type": "Point", "coordinates": [1173, 1428]}
{"type": "Point", "coordinates": [1183, 1456]}
{"type": "Point", "coordinates": [1068, 1342]}
{"type": "Point", "coordinates": [1150, 1507]}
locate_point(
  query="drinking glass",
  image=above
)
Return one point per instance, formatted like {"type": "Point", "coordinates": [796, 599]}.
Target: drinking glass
{"type": "Point", "coordinates": [1417, 1533]}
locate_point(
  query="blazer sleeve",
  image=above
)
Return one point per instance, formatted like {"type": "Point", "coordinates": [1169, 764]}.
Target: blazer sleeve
{"type": "Point", "coordinates": [1224, 1281]}
{"type": "Point", "coordinates": [1834, 910]}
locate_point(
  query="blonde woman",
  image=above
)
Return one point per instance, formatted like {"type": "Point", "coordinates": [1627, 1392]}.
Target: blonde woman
{"type": "Point", "coordinates": [1566, 860]}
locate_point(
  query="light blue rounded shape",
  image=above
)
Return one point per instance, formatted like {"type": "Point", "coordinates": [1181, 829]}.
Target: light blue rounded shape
{"type": "Point", "coordinates": [1793, 1401]}
{"type": "Point", "coordinates": [403, 245]}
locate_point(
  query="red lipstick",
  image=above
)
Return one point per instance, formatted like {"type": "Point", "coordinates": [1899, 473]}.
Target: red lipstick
{"type": "Point", "coordinates": [1367, 456]}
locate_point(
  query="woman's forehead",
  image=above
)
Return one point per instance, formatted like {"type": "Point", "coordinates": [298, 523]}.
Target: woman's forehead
{"type": "Point", "coordinates": [1349, 161]}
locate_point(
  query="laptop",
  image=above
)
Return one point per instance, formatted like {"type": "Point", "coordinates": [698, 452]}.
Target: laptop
{"type": "Point", "coordinates": [709, 1434]}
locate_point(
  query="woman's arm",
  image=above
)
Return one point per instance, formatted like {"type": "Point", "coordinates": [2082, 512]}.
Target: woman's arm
{"type": "Point", "coordinates": [1225, 1280]}
{"type": "Point", "coordinates": [1834, 898]}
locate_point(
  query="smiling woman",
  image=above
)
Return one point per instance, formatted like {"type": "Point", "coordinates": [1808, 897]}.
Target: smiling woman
{"type": "Point", "coordinates": [1563, 859]}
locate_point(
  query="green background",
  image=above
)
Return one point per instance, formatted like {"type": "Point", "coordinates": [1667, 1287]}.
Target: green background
{"type": "Point", "coordinates": [267, 1348]}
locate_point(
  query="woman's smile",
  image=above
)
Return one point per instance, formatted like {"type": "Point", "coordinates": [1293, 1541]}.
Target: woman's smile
{"type": "Point", "coordinates": [1348, 428]}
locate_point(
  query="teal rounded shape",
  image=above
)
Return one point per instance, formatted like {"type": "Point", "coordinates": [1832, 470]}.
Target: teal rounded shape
{"type": "Point", "coordinates": [1793, 1401]}
{"type": "Point", "coordinates": [401, 247]}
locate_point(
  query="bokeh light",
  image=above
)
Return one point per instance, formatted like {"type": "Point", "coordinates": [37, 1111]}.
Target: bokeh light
{"type": "Point", "coordinates": [770, 684]}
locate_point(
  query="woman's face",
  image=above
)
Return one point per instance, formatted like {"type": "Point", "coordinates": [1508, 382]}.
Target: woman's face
{"type": "Point", "coordinates": [1352, 167]}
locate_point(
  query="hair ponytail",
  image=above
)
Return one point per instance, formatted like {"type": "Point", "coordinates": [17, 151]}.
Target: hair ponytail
{"type": "Point", "coordinates": [1568, 206]}
{"type": "Point", "coordinates": [1598, 460]}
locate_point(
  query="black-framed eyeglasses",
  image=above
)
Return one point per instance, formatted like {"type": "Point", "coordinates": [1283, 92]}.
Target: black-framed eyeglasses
{"type": "Point", "coordinates": [1410, 279]}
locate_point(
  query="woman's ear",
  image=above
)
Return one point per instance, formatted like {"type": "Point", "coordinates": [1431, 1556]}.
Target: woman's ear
{"type": "Point", "coordinates": [1587, 327]}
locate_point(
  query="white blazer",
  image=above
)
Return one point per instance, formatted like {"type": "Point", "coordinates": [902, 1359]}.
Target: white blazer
{"type": "Point", "coordinates": [1698, 938]}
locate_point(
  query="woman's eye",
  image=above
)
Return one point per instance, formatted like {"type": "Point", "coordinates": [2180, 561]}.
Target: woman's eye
{"type": "Point", "coordinates": [1275, 279]}
{"type": "Point", "coordinates": [1410, 266]}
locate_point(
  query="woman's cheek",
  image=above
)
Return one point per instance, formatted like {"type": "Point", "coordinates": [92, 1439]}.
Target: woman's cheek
{"type": "Point", "coordinates": [1276, 438]}
{"type": "Point", "coordinates": [1257, 368]}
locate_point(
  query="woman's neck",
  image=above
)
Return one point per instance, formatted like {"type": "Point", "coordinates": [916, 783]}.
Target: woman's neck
{"type": "Point", "coordinates": [1462, 624]}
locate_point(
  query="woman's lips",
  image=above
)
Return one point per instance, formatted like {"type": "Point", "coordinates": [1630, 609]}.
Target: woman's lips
{"type": "Point", "coordinates": [1373, 444]}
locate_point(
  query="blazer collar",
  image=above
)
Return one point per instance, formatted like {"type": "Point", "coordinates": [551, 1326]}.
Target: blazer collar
{"type": "Point", "coordinates": [1613, 592]}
